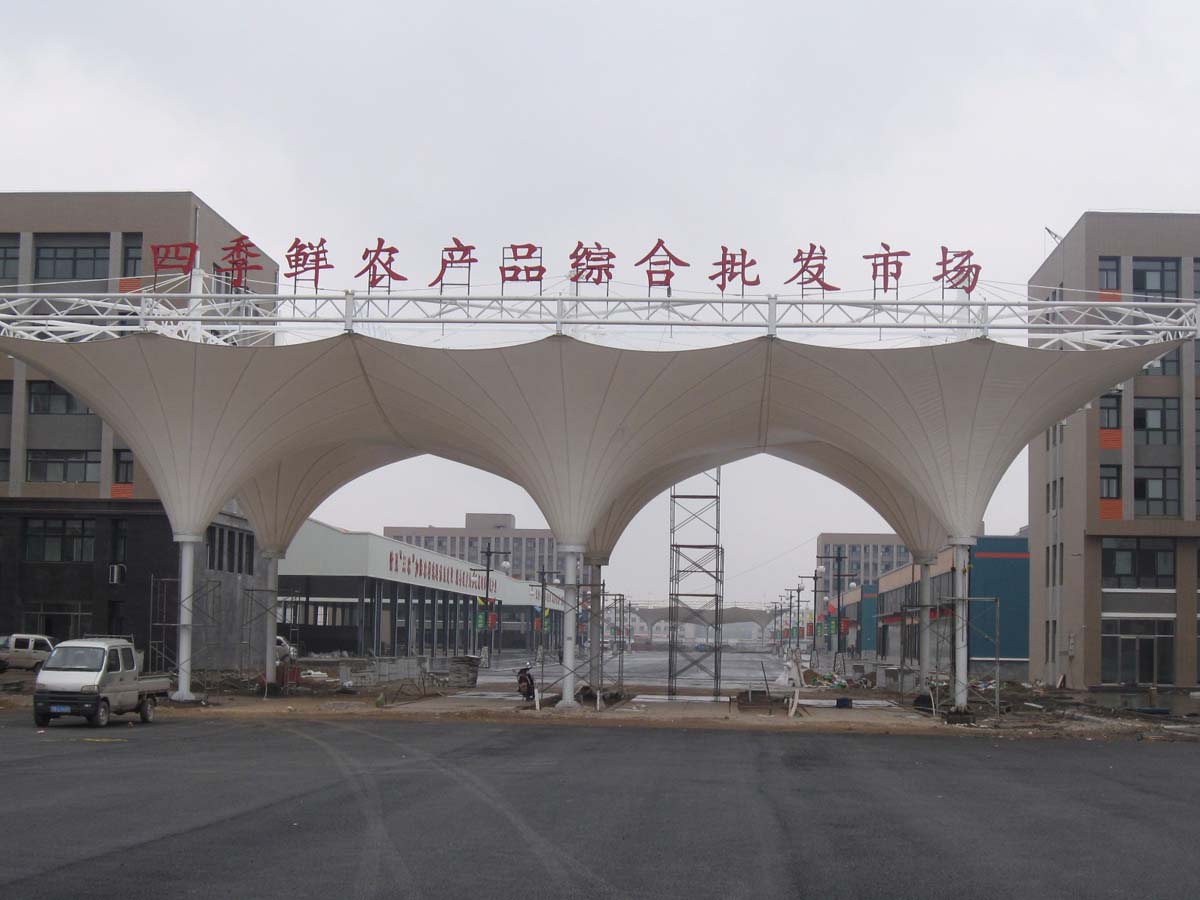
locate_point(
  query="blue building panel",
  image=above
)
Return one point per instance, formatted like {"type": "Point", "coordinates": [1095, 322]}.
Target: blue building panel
{"type": "Point", "coordinates": [1000, 569]}
{"type": "Point", "coordinates": [868, 612]}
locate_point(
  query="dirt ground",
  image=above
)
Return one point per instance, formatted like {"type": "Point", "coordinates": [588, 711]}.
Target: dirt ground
{"type": "Point", "coordinates": [1032, 714]}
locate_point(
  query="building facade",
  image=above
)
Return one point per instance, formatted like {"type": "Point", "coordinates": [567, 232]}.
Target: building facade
{"type": "Point", "coordinates": [882, 620]}
{"type": "Point", "coordinates": [528, 550]}
{"type": "Point", "coordinates": [84, 543]}
{"type": "Point", "coordinates": [867, 556]}
{"type": "Point", "coordinates": [375, 596]}
{"type": "Point", "coordinates": [1113, 490]}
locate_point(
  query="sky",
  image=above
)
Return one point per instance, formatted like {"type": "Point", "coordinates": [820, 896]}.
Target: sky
{"type": "Point", "coordinates": [756, 125]}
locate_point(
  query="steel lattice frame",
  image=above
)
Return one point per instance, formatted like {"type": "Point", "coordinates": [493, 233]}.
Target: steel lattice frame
{"type": "Point", "coordinates": [697, 576]}
{"type": "Point", "coordinates": [255, 318]}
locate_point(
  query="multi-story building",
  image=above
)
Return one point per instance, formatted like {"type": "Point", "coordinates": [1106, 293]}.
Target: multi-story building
{"type": "Point", "coordinates": [867, 556]}
{"type": "Point", "coordinates": [1113, 490]}
{"type": "Point", "coordinates": [74, 499]}
{"type": "Point", "coordinates": [528, 550]}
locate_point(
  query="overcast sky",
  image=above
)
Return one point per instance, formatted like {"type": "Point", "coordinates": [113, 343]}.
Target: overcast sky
{"type": "Point", "coordinates": [756, 125]}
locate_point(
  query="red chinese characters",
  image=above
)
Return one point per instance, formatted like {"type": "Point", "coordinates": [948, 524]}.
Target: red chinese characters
{"type": "Point", "coordinates": [307, 258]}
{"type": "Point", "coordinates": [660, 266]}
{"type": "Point", "coordinates": [812, 268]}
{"type": "Point", "coordinates": [174, 257]}
{"type": "Point", "coordinates": [522, 263]}
{"type": "Point", "coordinates": [238, 261]}
{"type": "Point", "coordinates": [886, 266]}
{"type": "Point", "coordinates": [594, 263]}
{"type": "Point", "coordinates": [733, 267]}
{"type": "Point", "coordinates": [958, 270]}
{"type": "Point", "coordinates": [379, 265]}
{"type": "Point", "coordinates": [457, 257]}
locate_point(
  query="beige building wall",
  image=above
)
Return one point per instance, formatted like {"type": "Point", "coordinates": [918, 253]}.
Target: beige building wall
{"type": "Point", "coordinates": [1068, 601]}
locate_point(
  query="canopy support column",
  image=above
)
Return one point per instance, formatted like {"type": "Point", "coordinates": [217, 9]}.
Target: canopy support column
{"type": "Point", "coordinates": [924, 638]}
{"type": "Point", "coordinates": [962, 556]}
{"type": "Point", "coordinates": [187, 587]}
{"type": "Point", "coordinates": [570, 577]}
{"type": "Point", "coordinates": [269, 629]}
{"type": "Point", "coordinates": [595, 625]}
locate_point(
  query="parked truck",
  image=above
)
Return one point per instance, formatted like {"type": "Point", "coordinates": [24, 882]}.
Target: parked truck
{"type": "Point", "coordinates": [96, 678]}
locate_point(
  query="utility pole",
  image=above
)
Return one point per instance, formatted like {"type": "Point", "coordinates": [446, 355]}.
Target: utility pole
{"type": "Point", "coordinates": [838, 558]}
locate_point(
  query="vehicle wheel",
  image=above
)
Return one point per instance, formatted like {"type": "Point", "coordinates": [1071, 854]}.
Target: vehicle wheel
{"type": "Point", "coordinates": [37, 667]}
{"type": "Point", "coordinates": [146, 709]}
{"type": "Point", "coordinates": [100, 718]}
{"type": "Point", "coordinates": [41, 720]}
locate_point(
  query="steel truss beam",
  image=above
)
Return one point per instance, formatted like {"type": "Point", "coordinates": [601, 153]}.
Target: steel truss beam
{"type": "Point", "coordinates": [252, 318]}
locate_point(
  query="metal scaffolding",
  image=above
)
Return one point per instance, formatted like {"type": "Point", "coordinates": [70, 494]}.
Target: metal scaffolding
{"type": "Point", "coordinates": [697, 578]}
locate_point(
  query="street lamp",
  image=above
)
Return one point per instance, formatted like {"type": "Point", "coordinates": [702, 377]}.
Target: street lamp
{"type": "Point", "coordinates": [487, 595]}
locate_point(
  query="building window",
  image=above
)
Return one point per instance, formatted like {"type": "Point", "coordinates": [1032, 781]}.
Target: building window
{"type": "Point", "coordinates": [120, 539]}
{"type": "Point", "coordinates": [1156, 278]}
{"type": "Point", "coordinates": [131, 262]}
{"type": "Point", "coordinates": [1110, 273]}
{"type": "Point", "coordinates": [1167, 364]}
{"type": "Point", "coordinates": [63, 466]}
{"type": "Point", "coordinates": [123, 466]}
{"type": "Point", "coordinates": [210, 544]}
{"type": "Point", "coordinates": [10, 254]}
{"type": "Point", "coordinates": [1110, 411]}
{"type": "Point", "coordinates": [60, 540]}
{"type": "Point", "coordinates": [1156, 490]}
{"type": "Point", "coordinates": [1156, 420]}
{"type": "Point", "coordinates": [1110, 482]}
{"type": "Point", "coordinates": [1137, 651]}
{"type": "Point", "coordinates": [46, 398]}
{"type": "Point", "coordinates": [5, 457]}
{"type": "Point", "coordinates": [230, 550]}
{"type": "Point", "coordinates": [71, 263]}
{"type": "Point", "coordinates": [249, 567]}
{"type": "Point", "coordinates": [1137, 563]}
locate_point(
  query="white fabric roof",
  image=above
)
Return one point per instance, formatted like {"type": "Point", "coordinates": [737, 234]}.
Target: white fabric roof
{"type": "Point", "coordinates": [592, 433]}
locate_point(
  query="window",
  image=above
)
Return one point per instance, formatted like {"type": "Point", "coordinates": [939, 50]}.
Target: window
{"type": "Point", "coordinates": [230, 550]}
{"type": "Point", "coordinates": [48, 398]}
{"type": "Point", "coordinates": [1110, 482]}
{"type": "Point", "coordinates": [220, 549]}
{"type": "Point", "coordinates": [1156, 491]}
{"type": "Point", "coordinates": [1110, 273]}
{"type": "Point", "coordinates": [10, 253]}
{"type": "Point", "coordinates": [120, 539]}
{"type": "Point", "coordinates": [1156, 420]}
{"type": "Point", "coordinates": [1156, 278]}
{"type": "Point", "coordinates": [5, 456]}
{"type": "Point", "coordinates": [71, 263]}
{"type": "Point", "coordinates": [1167, 364]}
{"type": "Point", "coordinates": [1110, 411]}
{"type": "Point", "coordinates": [127, 661]}
{"type": "Point", "coordinates": [123, 466]}
{"type": "Point", "coordinates": [60, 540]}
{"type": "Point", "coordinates": [63, 466]}
{"type": "Point", "coordinates": [249, 569]}
{"type": "Point", "coordinates": [1137, 563]}
{"type": "Point", "coordinates": [131, 262]}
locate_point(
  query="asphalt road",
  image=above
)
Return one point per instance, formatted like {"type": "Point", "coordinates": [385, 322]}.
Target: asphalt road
{"type": "Point", "coordinates": [369, 808]}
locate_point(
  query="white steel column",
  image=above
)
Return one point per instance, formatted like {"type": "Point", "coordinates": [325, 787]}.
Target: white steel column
{"type": "Point", "coordinates": [570, 576]}
{"type": "Point", "coordinates": [269, 629]}
{"type": "Point", "coordinates": [924, 638]}
{"type": "Point", "coordinates": [595, 626]}
{"type": "Point", "coordinates": [187, 585]}
{"type": "Point", "coordinates": [962, 556]}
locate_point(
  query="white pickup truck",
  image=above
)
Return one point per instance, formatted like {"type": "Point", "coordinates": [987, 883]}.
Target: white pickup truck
{"type": "Point", "coordinates": [95, 678]}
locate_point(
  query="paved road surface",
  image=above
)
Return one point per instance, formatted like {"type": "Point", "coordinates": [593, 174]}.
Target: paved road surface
{"type": "Point", "coordinates": [370, 808]}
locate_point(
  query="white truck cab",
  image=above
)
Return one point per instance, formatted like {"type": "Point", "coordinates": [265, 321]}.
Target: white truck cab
{"type": "Point", "coordinates": [95, 678]}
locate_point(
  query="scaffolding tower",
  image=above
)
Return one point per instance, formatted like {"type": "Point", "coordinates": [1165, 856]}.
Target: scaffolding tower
{"type": "Point", "coordinates": [697, 578]}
